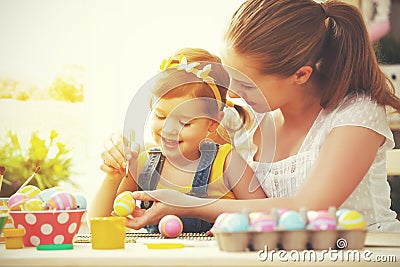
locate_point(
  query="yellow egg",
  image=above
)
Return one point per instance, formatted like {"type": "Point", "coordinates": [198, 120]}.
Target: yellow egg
{"type": "Point", "coordinates": [352, 220]}
{"type": "Point", "coordinates": [124, 204]}
{"type": "Point", "coordinates": [30, 191]}
{"type": "Point", "coordinates": [34, 204]}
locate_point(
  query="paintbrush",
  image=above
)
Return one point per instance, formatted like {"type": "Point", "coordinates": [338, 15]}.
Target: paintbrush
{"type": "Point", "coordinates": [128, 155]}
{"type": "Point", "coordinates": [30, 178]}
{"type": "Point", "coordinates": [2, 172]}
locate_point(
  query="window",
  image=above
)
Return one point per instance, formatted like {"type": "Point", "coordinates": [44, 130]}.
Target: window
{"type": "Point", "coordinates": [119, 46]}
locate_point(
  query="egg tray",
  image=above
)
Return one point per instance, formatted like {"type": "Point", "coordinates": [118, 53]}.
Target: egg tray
{"type": "Point", "coordinates": [291, 240]}
{"type": "Point", "coordinates": [132, 237]}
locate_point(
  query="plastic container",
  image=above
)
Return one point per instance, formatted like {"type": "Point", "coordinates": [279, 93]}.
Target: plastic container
{"type": "Point", "coordinates": [14, 238]}
{"type": "Point", "coordinates": [48, 227]}
{"type": "Point", "coordinates": [108, 232]}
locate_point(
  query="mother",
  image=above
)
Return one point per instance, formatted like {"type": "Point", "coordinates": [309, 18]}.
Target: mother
{"type": "Point", "coordinates": [315, 66]}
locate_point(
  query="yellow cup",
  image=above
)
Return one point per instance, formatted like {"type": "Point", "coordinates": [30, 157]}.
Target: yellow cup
{"type": "Point", "coordinates": [108, 232]}
{"type": "Point", "coordinates": [14, 238]}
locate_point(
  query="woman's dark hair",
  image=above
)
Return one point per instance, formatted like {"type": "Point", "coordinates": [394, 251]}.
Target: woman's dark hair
{"type": "Point", "coordinates": [282, 36]}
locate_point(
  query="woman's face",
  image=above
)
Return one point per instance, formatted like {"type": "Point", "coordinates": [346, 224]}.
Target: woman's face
{"type": "Point", "coordinates": [179, 125]}
{"type": "Point", "coordinates": [261, 91]}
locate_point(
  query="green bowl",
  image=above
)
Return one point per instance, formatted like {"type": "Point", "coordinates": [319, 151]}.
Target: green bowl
{"type": "Point", "coordinates": [3, 219]}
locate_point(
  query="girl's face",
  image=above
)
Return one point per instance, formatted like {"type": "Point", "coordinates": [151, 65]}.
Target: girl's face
{"type": "Point", "coordinates": [179, 125]}
{"type": "Point", "coordinates": [261, 91]}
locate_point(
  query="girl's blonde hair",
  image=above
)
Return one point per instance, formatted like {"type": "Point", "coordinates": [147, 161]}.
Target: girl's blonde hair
{"type": "Point", "coordinates": [179, 83]}
{"type": "Point", "coordinates": [283, 36]}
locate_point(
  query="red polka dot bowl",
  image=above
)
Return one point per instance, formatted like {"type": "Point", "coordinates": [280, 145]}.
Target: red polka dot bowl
{"type": "Point", "coordinates": [48, 227]}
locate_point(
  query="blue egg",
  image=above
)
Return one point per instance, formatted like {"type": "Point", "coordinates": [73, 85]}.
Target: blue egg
{"type": "Point", "coordinates": [291, 220]}
{"type": "Point", "coordinates": [81, 203]}
{"type": "Point", "coordinates": [234, 222]}
{"type": "Point", "coordinates": [48, 192]}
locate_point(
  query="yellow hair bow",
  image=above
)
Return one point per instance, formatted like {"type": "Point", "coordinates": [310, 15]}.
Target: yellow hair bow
{"type": "Point", "coordinates": [191, 68]}
{"type": "Point", "coordinates": [230, 103]}
{"type": "Point", "coordinates": [165, 64]}
{"type": "Point", "coordinates": [203, 73]}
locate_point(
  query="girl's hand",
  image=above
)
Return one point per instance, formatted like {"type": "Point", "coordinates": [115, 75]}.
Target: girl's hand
{"type": "Point", "coordinates": [115, 154]}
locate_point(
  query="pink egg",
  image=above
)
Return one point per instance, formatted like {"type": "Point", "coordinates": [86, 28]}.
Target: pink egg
{"type": "Point", "coordinates": [321, 220]}
{"type": "Point", "coordinates": [262, 221]}
{"type": "Point", "coordinates": [62, 200]}
{"type": "Point", "coordinates": [16, 201]}
{"type": "Point", "coordinates": [170, 226]}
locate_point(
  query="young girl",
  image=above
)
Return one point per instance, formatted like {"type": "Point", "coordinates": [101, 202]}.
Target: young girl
{"type": "Point", "coordinates": [187, 107]}
{"type": "Point", "coordinates": [315, 66]}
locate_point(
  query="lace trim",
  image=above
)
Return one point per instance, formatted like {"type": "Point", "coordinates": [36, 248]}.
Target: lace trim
{"type": "Point", "coordinates": [282, 178]}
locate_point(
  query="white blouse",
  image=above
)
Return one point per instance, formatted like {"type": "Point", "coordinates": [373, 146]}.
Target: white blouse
{"type": "Point", "coordinates": [282, 179]}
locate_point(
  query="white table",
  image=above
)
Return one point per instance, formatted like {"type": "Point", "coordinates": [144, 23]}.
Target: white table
{"type": "Point", "coordinates": [137, 254]}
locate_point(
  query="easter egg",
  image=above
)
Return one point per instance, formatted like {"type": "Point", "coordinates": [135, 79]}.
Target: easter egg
{"type": "Point", "coordinates": [352, 220]}
{"type": "Point", "coordinates": [34, 204]}
{"type": "Point", "coordinates": [291, 220]}
{"type": "Point", "coordinates": [48, 192]}
{"type": "Point", "coordinates": [124, 204]}
{"type": "Point", "coordinates": [16, 201]}
{"type": "Point", "coordinates": [80, 201]}
{"type": "Point", "coordinates": [170, 226]}
{"type": "Point", "coordinates": [262, 221]}
{"type": "Point", "coordinates": [281, 211]}
{"type": "Point", "coordinates": [30, 191]}
{"type": "Point", "coordinates": [233, 222]}
{"type": "Point", "coordinates": [321, 220]}
{"type": "Point", "coordinates": [339, 212]}
{"type": "Point", "coordinates": [62, 200]}
{"type": "Point", "coordinates": [219, 221]}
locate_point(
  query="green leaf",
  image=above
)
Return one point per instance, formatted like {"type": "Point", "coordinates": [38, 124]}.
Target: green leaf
{"type": "Point", "coordinates": [39, 181]}
{"type": "Point", "coordinates": [21, 163]}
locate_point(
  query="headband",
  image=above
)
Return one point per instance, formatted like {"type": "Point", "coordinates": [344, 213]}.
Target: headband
{"type": "Point", "coordinates": [200, 73]}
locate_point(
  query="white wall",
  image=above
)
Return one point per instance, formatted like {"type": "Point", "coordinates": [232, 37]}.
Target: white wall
{"type": "Point", "coordinates": [120, 44]}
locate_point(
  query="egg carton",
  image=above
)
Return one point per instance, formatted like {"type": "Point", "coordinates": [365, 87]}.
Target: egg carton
{"type": "Point", "coordinates": [291, 240]}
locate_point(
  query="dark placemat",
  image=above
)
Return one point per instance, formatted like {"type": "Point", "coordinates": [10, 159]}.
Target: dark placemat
{"type": "Point", "coordinates": [132, 237]}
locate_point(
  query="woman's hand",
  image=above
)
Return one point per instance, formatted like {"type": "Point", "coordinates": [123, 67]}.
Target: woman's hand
{"type": "Point", "coordinates": [165, 202]}
{"type": "Point", "coordinates": [143, 217]}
